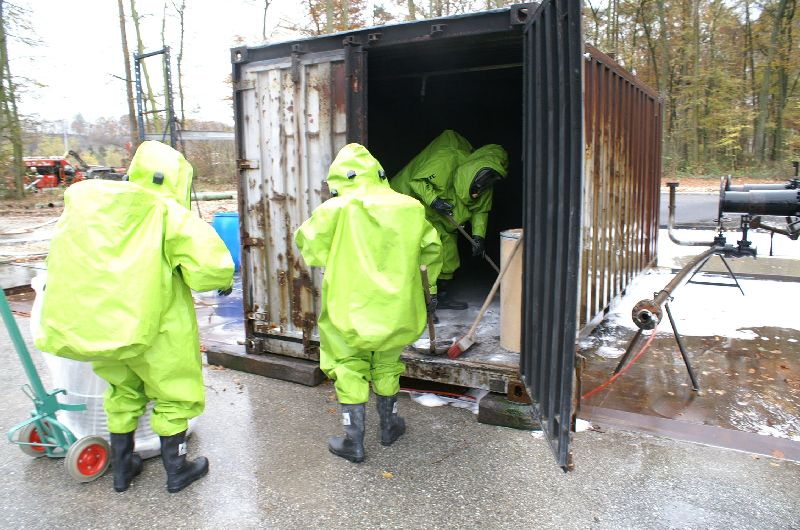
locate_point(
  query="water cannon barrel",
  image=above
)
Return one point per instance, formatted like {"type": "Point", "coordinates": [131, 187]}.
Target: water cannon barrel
{"type": "Point", "coordinates": [760, 202]}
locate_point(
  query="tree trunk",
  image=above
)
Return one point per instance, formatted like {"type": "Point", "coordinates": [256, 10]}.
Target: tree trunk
{"type": "Point", "coordinates": [132, 124]}
{"type": "Point", "coordinates": [263, 25]}
{"type": "Point", "coordinates": [150, 97]}
{"type": "Point", "coordinates": [8, 100]}
{"type": "Point", "coordinates": [328, 16]}
{"type": "Point", "coordinates": [651, 46]}
{"type": "Point", "coordinates": [694, 135]}
{"type": "Point", "coordinates": [750, 52]}
{"type": "Point", "coordinates": [181, 19]}
{"type": "Point", "coordinates": [412, 10]}
{"type": "Point", "coordinates": [759, 139]}
{"type": "Point", "coordinates": [787, 42]}
{"type": "Point", "coordinates": [666, 68]}
{"type": "Point", "coordinates": [596, 20]}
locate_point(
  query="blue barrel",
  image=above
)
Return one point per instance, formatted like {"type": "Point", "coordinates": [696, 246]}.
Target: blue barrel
{"type": "Point", "coordinates": [227, 226]}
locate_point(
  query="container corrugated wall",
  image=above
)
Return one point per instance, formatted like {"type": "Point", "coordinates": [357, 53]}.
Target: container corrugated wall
{"type": "Point", "coordinates": [622, 164]}
{"type": "Point", "coordinates": [292, 123]}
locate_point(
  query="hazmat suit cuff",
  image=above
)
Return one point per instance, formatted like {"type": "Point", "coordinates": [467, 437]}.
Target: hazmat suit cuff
{"type": "Point", "coordinates": [479, 225]}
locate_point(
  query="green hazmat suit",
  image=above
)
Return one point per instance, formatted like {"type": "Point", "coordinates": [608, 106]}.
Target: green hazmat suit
{"type": "Point", "coordinates": [445, 169]}
{"type": "Point", "coordinates": [121, 264]}
{"type": "Point", "coordinates": [371, 241]}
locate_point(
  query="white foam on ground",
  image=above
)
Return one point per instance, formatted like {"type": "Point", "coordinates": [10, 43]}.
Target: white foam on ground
{"type": "Point", "coordinates": [707, 310]}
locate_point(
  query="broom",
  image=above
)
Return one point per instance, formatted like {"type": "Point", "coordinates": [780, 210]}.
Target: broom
{"type": "Point", "coordinates": [466, 342]}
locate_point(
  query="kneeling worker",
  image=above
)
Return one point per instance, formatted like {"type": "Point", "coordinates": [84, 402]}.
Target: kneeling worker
{"type": "Point", "coordinates": [371, 241]}
{"type": "Point", "coordinates": [121, 265]}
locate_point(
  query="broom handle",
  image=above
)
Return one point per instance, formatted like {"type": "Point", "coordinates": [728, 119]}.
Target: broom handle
{"type": "Point", "coordinates": [423, 270]}
{"type": "Point", "coordinates": [489, 298]}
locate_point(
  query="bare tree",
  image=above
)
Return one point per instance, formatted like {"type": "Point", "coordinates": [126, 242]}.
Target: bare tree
{"type": "Point", "coordinates": [150, 97]}
{"type": "Point", "coordinates": [180, 9]}
{"type": "Point", "coordinates": [412, 10]}
{"type": "Point", "coordinates": [8, 107]}
{"type": "Point", "coordinates": [133, 126]}
{"type": "Point", "coordinates": [263, 25]}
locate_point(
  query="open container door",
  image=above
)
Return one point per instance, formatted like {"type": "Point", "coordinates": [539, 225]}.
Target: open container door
{"type": "Point", "coordinates": [553, 195]}
{"type": "Point", "coordinates": [292, 116]}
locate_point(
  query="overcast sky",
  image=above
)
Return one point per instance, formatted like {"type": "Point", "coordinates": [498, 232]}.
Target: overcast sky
{"type": "Point", "coordinates": [79, 53]}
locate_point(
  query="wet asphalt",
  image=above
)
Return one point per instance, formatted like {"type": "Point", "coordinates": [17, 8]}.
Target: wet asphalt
{"type": "Point", "coordinates": [270, 468]}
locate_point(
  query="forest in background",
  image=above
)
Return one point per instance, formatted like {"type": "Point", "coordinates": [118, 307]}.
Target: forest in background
{"type": "Point", "coordinates": [727, 71]}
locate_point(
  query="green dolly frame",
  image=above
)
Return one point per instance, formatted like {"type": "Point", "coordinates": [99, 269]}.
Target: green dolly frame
{"type": "Point", "coordinates": [42, 434]}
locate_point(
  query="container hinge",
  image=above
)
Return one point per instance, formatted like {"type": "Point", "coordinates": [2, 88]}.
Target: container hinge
{"type": "Point", "coordinates": [297, 54]}
{"type": "Point", "coordinates": [255, 315]}
{"type": "Point", "coordinates": [351, 40]}
{"type": "Point", "coordinates": [374, 37]}
{"type": "Point", "coordinates": [253, 242]}
{"type": "Point", "coordinates": [247, 84]}
{"type": "Point", "coordinates": [438, 29]}
{"type": "Point", "coordinates": [247, 164]}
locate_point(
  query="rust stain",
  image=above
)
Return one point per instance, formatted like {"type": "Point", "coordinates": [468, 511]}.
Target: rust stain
{"type": "Point", "coordinates": [623, 173]}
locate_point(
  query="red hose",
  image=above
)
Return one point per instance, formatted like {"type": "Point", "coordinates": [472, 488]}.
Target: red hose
{"type": "Point", "coordinates": [624, 369]}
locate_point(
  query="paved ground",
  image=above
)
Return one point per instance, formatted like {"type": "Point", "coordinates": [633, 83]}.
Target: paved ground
{"type": "Point", "coordinates": [691, 209]}
{"type": "Point", "coordinates": [270, 468]}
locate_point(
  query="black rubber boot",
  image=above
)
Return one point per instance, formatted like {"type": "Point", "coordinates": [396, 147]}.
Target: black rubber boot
{"type": "Point", "coordinates": [351, 445]}
{"type": "Point", "coordinates": [124, 461]}
{"type": "Point", "coordinates": [445, 301]}
{"type": "Point", "coordinates": [392, 425]}
{"type": "Point", "coordinates": [180, 471]}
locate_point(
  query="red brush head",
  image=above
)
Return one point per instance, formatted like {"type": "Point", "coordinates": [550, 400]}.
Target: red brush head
{"type": "Point", "coordinates": [454, 351]}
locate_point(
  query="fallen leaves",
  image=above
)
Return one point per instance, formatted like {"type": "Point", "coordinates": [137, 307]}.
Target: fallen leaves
{"type": "Point", "coordinates": [388, 474]}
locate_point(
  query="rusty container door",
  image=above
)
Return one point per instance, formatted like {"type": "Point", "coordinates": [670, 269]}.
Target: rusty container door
{"type": "Point", "coordinates": [553, 196]}
{"type": "Point", "coordinates": [290, 123]}
{"type": "Point", "coordinates": [622, 160]}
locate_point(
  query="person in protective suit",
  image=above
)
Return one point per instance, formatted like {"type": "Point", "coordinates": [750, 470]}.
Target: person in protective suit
{"type": "Point", "coordinates": [371, 241]}
{"type": "Point", "coordinates": [454, 182]}
{"type": "Point", "coordinates": [121, 265]}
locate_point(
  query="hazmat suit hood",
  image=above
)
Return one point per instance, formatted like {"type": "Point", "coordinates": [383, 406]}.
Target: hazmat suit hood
{"type": "Point", "coordinates": [492, 157]}
{"type": "Point", "coordinates": [355, 169]}
{"type": "Point", "coordinates": [163, 170]}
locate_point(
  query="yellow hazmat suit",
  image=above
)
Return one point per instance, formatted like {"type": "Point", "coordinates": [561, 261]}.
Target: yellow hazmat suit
{"type": "Point", "coordinates": [371, 241]}
{"type": "Point", "coordinates": [122, 262]}
{"type": "Point", "coordinates": [446, 169]}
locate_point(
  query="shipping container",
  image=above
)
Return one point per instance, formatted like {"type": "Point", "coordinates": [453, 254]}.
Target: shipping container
{"type": "Point", "coordinates": [583, 137]}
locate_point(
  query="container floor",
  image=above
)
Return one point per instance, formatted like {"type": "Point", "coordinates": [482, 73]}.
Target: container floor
{"type": "Point", "coordinates": [485, 365]}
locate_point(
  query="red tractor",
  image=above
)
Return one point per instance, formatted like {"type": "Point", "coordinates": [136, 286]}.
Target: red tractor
{"type": "Point", "coordinates": [54, 171]}
{"type": "Point", "coordinates": [50, 172]}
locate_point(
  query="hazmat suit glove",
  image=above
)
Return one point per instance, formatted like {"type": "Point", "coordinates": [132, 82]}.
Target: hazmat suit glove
{"type": "Point", "coordinates": [442, 206]}
{"type": "Point", "coordinates": [479, 246]}
{"type": "Point", "coordinates": [225, 292]}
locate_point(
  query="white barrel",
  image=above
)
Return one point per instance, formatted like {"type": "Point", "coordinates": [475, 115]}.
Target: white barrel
{"type": "Point", "coordinates": [84, 387]}
{"type": "Point", "coordinates": [511, 291]}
